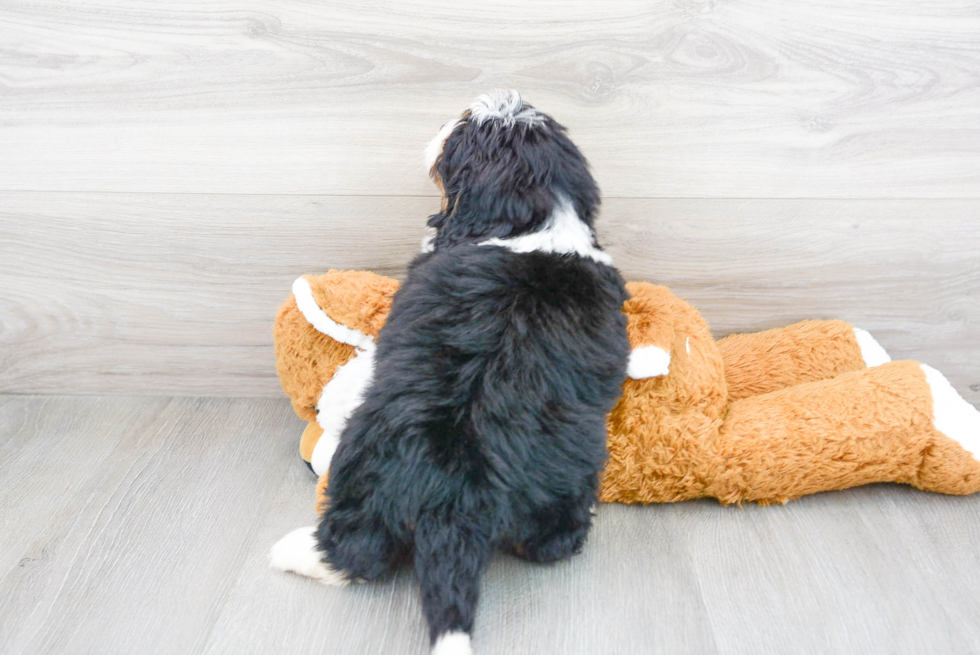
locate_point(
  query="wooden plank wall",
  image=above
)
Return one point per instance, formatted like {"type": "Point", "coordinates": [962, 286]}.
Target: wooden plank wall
{"type": "Point", "coordinates": [166, 170]}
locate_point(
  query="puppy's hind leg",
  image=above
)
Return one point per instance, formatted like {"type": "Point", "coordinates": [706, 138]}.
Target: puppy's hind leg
{"type": "Point", "coordinates": [298, 552]}
{"type": "Point", "coordinates": [344, 547]}
{"type": "Point", "coordinates": [558, 532]}
{"type": "Point", "coordinates": [359, 542]}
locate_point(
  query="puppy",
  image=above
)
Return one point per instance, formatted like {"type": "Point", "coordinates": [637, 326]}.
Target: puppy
{"type": "Point", "coordinates": [484, 423]}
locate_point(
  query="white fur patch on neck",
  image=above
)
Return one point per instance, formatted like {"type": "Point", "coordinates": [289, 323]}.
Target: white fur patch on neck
{"type": "Point", "coordinates": [505, 106]}
{"type": "Point", "coordinates": [343, 394]}
{"type": "Point", "coordinates": [951, 414]}
{"type": "Point", "coordinates": [321, 322]}
{"type": "Point", "coordinates": [452, 643]}
{"type": "Point", "coordinates": [648, 362]}
{"type": "Point", "coordinates": [434, 148]}
{"type": "Point", "coordinates": [564, 233]}
{"type": "Point", "coordinates": [430, 236]}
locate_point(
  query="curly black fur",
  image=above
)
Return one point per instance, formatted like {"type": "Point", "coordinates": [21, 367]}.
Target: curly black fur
{"type": "Point", "coordinates": [503, 180]}
{"type": "Point", "coordinates": [485, 424]}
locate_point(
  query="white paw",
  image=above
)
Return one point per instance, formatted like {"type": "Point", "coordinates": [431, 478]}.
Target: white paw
{"type": "Point", "coordinates": [452, 643]}
{"type": "Point", "coordinates": [297, 553]}
{"type": "Point", "coordinates": [871, 351]}
{"type": "Point", "coordinates": [952, 415]}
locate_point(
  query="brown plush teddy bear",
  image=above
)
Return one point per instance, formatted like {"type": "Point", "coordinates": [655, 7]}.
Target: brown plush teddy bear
{"type": "Point", "coordinates": [762, 417]}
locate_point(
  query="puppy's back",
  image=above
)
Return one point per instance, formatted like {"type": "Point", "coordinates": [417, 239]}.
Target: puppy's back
{"type": "Point", "coordinates": [512, 361]}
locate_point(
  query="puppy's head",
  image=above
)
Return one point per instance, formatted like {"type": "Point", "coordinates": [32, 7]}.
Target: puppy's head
{"type": "Point", "coordinates": [502, 166]}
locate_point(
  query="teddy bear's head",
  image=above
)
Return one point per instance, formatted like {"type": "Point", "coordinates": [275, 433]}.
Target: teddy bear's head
{"type": "Point", "coordinates": [324, 340]}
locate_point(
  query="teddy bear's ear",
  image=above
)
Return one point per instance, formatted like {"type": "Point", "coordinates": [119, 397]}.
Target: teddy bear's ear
{"type": "Point", "coordinates": [350, 306]}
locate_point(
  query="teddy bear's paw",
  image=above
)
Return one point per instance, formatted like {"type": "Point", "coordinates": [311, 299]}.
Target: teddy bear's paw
{"type": "Point", "coordinates": [297, 552]}
{"type": "Point", "coordinates": [648, 362]}
{"type": "Point", "coordinates": [952, 414]}
{"type": "Point", "coordinates": [871, 351]}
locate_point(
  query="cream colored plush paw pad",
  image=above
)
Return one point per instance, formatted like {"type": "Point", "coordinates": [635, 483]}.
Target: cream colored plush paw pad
{"type": "Point", "coordinates": [952, 415]}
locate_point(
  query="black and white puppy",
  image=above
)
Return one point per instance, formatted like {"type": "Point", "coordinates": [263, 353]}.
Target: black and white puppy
{"type": "Point", "coordinates": [484, 425]}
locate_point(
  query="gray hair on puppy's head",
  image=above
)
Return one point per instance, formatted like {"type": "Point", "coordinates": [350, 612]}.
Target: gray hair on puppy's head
{"type": "Point", "coordinates": [506, 106]}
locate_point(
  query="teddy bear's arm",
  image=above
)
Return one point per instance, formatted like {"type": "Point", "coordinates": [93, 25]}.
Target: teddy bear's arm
{"type": "Point", "coordinates": [650, 327]}
{"type": "Point", "coordinates": [305, 358]}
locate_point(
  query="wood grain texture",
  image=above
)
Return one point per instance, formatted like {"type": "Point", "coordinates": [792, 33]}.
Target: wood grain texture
{"type": "Point", "coordinates": [870, 570]}
{"type": "Point", "coordinates": [175, 294]}
{"type": "Point", "coordinates": [124, 519]}
{"type": "Point", "coordinates": [141, 525]}
{"type": "Point", "coordinates": [907, 271]}
{"type": "Point", "coordinates": [695, 98]}
{"type": "Point", "coordinates": [149, 294]}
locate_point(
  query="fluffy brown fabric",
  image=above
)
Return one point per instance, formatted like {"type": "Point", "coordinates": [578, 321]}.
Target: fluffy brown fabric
{"type": "Point", "coordinates": [307, 442]}
{"type": "Point", "coordinates": [775, 359]}
{"type": "Point", "coordinates": [358, 299]}
{"type": "Point", "coordinates": [873, 425]}
{"type": "Point", "coordinates": [762, 417]}
{"type": "Point", "coordinates": [306, 359]}
{"type": "Point", "coordinates": [658, 432]}
{"type": "Point", "coordinates": [321, 493]}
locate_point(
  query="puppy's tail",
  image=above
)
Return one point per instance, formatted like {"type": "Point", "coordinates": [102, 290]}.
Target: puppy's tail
{"type": "Point", "coordinates": [451, 551]}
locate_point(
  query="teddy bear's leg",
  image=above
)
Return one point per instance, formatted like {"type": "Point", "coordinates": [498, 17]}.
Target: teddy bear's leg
{"type": "Point", "coordinates": [812, 350]}
{"type": "Point", "coordinates": [944, 467]}
{"type": "Point", "coordinates": [307, 443]}
{"type": "Point", "coordinates": [321, 493]}
{"type": "Point", "coordinates": [898, 422]}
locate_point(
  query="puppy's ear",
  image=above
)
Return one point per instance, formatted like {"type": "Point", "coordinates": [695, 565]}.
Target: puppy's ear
{"type": "Point", "coordinates": [502, 178]}
{"type": "Point", "coordinates": [496, 172]}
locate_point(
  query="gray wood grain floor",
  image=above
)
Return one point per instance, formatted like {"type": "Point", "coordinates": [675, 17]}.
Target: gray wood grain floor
{"type": "Point", "coordinates": [140, 525]}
